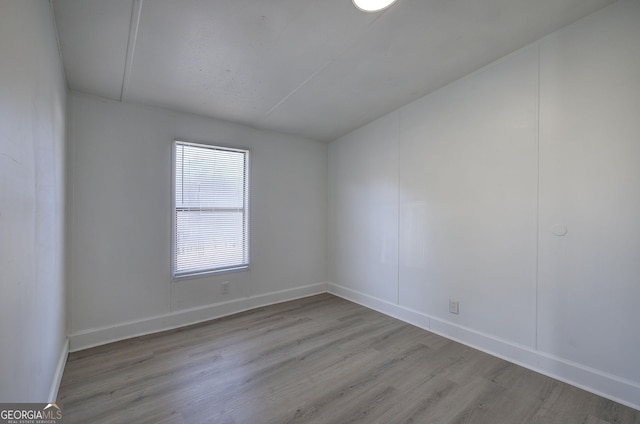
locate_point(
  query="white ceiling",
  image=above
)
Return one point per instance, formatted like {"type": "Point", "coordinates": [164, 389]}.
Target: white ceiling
{"type": "Point", "coordinates": [315, 68]}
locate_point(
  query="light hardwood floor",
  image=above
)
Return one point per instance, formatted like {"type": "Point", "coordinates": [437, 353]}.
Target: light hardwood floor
{"type": "Point", "coordinates": [320, 359]}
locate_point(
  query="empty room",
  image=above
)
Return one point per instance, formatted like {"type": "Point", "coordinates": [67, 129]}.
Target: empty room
{"type": "Point", "coordinates": [337, 211]}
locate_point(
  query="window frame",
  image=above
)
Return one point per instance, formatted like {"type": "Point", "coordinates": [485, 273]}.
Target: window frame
{"type": "Point", "coordinates": [182, 275]}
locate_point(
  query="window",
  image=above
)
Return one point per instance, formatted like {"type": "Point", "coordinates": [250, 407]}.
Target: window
{"type": "Point", "coordinates": [211, 209]}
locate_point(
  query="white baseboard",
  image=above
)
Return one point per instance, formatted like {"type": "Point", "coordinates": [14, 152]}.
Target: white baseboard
{"type": "Point", "coordinates": [57, 376]}
{"type": "Point", "coordinates": [609, 386]}
{"type": "Point", "coordinates": [99, 336]}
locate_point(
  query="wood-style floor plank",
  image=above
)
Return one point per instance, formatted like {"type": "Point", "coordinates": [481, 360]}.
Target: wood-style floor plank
{"type": "Point", "coordinates": [319, 359]}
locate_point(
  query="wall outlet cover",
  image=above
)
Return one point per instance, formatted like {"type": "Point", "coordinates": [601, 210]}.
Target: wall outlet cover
{"type": "Point", "coordinates": [454, 306]}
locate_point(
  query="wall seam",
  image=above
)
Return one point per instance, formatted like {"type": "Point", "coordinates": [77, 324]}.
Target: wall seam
{"type": "Point", "coordinates": [398, 130]}
{"type": "Point", "coordinates": [537, 274]}
{"type": "Point", "coordinates": [70, 166]}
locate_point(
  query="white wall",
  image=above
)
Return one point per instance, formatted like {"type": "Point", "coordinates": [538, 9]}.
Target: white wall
{"type": "Point", "coordinates": [589, 281]}
{"type": "Point", "coordinates": [485, 170]}
{"type": "Point", "coordinates": [120, 239]}
{"type": "Point", "coordinates": [32, 212]}
{"type": "Point", "coordinates": [363, 200]}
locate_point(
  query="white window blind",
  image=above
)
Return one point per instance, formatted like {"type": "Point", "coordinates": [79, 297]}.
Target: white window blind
{"type": "Point", "coordinates": [211, 209]}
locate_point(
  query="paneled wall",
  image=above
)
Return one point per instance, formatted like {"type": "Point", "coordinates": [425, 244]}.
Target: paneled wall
{"type": "Point", "coordinates": [32, 203]}
{"type": "Point", "coordinates": [516, 192]}
{"type": "Point", "coordinates": [121, 214]}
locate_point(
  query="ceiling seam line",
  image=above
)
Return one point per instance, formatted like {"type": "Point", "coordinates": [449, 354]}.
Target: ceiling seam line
{"type": "Point", "coordinates": [136, 12]}
{"type": "Point", "coordinates": [59, 45]}
{"type": "Point", "coordinates": [324, 66]}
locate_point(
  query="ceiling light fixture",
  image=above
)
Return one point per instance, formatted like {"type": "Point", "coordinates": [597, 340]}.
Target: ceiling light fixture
{"type": "Point", "coordinates": [372, 5]}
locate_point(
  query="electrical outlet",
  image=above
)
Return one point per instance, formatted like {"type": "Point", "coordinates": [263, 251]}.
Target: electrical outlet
{"type": "Point", "coordinates": [225, 287]}
{"type": "Point", "coordinates": [454, 306]}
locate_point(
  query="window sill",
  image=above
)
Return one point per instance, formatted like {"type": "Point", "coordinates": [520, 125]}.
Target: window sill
{"type": "Point", "coordinates": [205, 274]}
